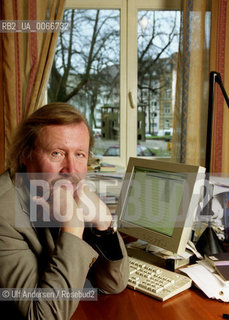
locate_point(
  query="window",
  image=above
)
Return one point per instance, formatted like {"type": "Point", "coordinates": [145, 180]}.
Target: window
{"type": "Point", "coordinates": [166, 125]}
{"type": "Point", "coordinates": [167, 108]}
{"type": "Point", "coordinates": [158, 39]}
{"type": "Point", "coordinates": [119, 74]}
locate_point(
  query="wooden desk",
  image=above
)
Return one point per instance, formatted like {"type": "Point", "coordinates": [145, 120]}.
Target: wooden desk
{"type": "Point", "coordinates": [131, 305]}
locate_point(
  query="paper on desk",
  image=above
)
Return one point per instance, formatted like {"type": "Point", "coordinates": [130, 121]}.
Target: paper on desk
{"type": "Point", "coordinates": [220, 189]}
{"type": "Point", "coordinates": [220, 184]}
{"type": "Point", "coordinates": [191, 247]}
{"type": "Point", "coordinates": [207, 282]}
{"type": "Point", "coordinates": [220, 181]}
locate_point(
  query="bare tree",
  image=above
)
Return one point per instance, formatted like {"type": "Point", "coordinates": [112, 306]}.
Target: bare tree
{"type": "Point", "coordinates": [155, 56]}
{"type": "Point", "coordinates": [87, 59]}
{"type": "Point", "coordinates": [82, 54]}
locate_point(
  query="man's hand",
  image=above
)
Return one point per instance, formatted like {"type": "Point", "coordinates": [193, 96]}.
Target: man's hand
{"type": "Point", "coordinates": [62, 209]}
{"type": "Point", "coordinates": [73, 215]}
{"type": "Point", "coordinates": [94, 209]}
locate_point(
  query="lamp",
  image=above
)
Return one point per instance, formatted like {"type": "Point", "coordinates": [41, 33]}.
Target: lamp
{"type": "Point", "coordinates": [208, 242]}
{"type": "Point", "coordinates": [213, 78]}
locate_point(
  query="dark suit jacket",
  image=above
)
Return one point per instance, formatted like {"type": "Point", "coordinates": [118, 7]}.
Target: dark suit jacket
{"type": "Point", "coordinates": [30, 258]}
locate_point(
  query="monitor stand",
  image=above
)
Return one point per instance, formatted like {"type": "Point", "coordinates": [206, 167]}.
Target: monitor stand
{"type": "Point", "coordinates": [169, 264]}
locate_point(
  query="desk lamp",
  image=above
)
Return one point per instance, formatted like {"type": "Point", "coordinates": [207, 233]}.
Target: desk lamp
{"type": "Point", "coordinates": [208, 242]}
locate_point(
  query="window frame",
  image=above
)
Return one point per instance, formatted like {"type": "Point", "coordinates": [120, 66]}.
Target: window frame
{"type": "Point", "coordinates": [121, 5]}
{"type": "Point", "coordinates": [128, 64]}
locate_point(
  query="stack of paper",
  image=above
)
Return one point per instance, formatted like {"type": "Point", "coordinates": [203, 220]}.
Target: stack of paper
{"type": "Point", "coordinates": [206, 278]}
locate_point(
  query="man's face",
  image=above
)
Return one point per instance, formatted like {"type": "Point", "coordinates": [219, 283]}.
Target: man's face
{"type": "Point", "coordinates": [61, 150]}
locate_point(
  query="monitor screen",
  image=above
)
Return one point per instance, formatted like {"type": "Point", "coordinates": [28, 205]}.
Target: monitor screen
{"type": "Point", "coordinates": [158, 202]}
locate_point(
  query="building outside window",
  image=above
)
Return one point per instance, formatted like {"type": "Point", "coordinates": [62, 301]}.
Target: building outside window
{"type": "Point", "coordinates": [121, 76]}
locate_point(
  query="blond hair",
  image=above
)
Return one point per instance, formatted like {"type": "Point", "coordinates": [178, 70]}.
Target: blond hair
{"type": "Point", "coordinates": [23, 142]}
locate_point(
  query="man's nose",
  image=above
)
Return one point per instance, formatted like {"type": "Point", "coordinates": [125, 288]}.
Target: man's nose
{"type": "Point", "coordinates": [69, 165]}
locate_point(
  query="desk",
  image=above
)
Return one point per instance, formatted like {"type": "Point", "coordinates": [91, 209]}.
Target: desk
{"type": "Point", "coordinates": [131, 305]}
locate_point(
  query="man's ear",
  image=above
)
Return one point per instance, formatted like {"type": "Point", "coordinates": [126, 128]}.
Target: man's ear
{"type": "Point", "coordinates": [25, 160]}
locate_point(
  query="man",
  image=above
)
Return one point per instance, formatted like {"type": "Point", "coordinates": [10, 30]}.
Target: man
{"type": "Point", "coordinates": [56, 142]}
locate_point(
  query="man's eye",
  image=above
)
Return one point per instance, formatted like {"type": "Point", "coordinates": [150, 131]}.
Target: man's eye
{"type": "Point", "coordinates": [79, 155]}
{"type": "Point", "coordinates": [56, 154]}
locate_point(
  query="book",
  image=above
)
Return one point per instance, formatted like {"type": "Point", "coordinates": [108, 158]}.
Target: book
{"type": "Point", "coordinates": [218, 258]}
{"type": "Point", "coordinates": [108, 198]}
{"type": "Point", "coordinates": [106, 167]}
{"type": "Point", "coordinates": [223, 271]}
{"type": "Point", "coordinates": [220, 262]}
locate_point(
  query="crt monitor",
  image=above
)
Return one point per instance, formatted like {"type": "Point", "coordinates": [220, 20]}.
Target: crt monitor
{"type": "Point", "coordinates": [158, 202]}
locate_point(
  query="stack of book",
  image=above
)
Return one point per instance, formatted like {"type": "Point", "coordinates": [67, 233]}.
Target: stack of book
{"type": "Point", "coordinates": [220, 262]}
{"type": "Point", "coordinates": [107, 167]}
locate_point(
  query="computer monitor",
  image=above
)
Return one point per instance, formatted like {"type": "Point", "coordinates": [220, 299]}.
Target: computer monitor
{"type": "Point", "coordinates": [158, 202]}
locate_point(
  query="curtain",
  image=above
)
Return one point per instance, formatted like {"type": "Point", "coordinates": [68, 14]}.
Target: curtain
{"type": "Point", "coordinates": [219, 62]}
{"type": "Point", "coordinates": [26, 60]}
{"type": "Point", "coordinates": [2, 131]}
{"type": "Point", "coordinates": [191, 106]}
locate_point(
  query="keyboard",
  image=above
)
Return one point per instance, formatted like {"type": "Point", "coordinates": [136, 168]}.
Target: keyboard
{"type": "Point", "coordinates": [154, 281]}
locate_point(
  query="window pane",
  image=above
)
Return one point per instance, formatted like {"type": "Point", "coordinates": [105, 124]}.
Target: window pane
{"type": "Point", "coordinates": [158, 39]}
{"type": "Point", "coordinates": [86, 71]}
